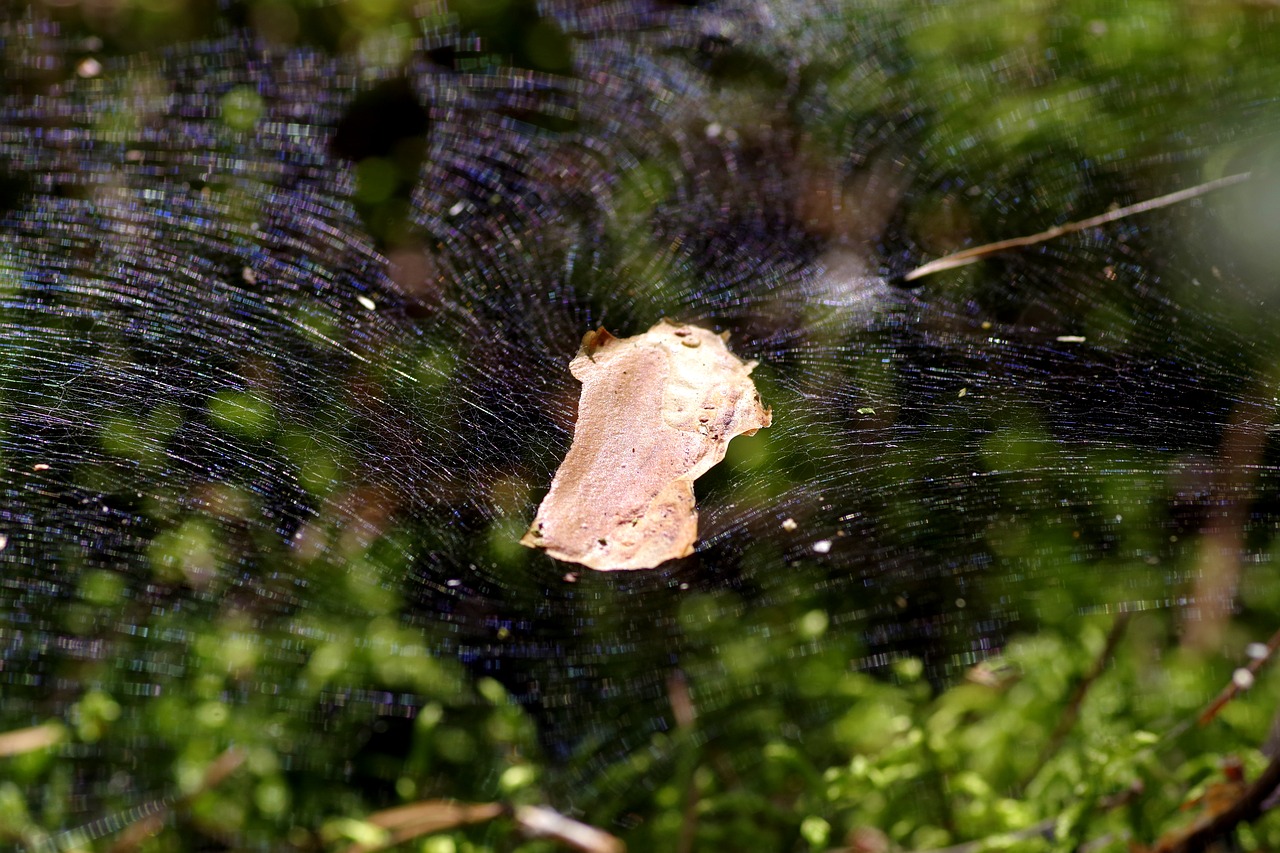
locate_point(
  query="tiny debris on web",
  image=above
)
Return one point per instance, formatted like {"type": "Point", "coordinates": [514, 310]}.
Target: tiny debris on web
{"type": "Point", "coordinates": [657, 411]}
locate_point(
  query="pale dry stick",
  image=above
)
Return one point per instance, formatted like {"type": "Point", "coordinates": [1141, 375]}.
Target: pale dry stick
{"type": "Point", "coordinates": [543, 822]}
{"type": "Point", "coordinates": [977, 253]}
{"type": "Point", "coordinates": [405, 823]}
{"type": "Point", "coordinates": [22, 741]}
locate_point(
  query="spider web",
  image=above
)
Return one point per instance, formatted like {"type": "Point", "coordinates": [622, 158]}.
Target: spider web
{"type": "Point", "coordinates": [229, 391]}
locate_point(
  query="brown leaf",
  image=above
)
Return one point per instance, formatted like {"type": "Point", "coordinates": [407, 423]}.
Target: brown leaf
{"type": "Point", "coordinates": [657, 411]}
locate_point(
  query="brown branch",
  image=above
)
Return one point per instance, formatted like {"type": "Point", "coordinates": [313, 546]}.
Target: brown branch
{"type": "Point", "coordinates": [1247, 808]}
{"type": "Point", "coordinates": [1222, 540]}
{"type": "Point", "coordinates": [977, 253]}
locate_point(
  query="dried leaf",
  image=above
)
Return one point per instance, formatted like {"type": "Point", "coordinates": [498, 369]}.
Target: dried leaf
{"type": "Point", "coordinates": [657, 411]}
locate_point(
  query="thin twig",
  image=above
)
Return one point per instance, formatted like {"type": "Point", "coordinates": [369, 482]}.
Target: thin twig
{"type": "Point", "coordinates": [1071, 713]}
{"type": "Point", "coordinates": [1238, 686]}
{"type": "Point", "coordinates": [977, 253]}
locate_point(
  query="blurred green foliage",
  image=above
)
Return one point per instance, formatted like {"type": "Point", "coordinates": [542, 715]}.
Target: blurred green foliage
{"type": "Point", "coordinates": [788, 749]}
